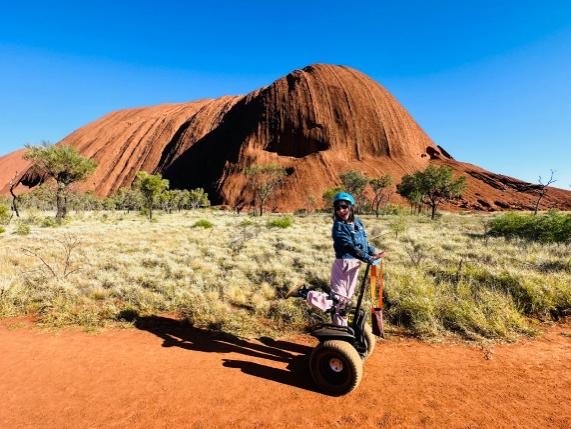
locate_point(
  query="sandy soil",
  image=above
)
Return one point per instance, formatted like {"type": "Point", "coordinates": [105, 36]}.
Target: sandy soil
{"type": "Point", "coordinates": [164, 375]}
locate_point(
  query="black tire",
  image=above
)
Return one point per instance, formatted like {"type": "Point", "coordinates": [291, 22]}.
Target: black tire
{"type": "Point", "coordinates": [370, 340]}
{"type": "Point", "coordinates": [336, 367]}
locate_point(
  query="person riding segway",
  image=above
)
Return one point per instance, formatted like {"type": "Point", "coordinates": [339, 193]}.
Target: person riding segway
{"type": "Point", "coordinates": [336, 363]}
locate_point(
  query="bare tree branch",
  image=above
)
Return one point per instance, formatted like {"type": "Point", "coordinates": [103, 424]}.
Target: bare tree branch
{"type": "Point", "coordinates": [542, 189]}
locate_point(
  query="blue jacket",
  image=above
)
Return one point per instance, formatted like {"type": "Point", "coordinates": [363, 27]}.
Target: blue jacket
{"type": "Point", "coordinates": [350, 241]}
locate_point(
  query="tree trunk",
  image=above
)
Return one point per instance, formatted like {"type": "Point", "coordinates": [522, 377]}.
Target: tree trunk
{"type": "Point", "coordinates": [433, 214]}
{"type": "Point", "coordinates": [541, 194]}
{"type": "Point", "coordinates": [14, 201]}
{"type": "Point", "coordinates": [61, 201]}
{"type": "Point", "coordinates": [13, 184]}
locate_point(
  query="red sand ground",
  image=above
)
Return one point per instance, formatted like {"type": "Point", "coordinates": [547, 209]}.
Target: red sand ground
{"type": "Point", "coordinates": [165, 375]}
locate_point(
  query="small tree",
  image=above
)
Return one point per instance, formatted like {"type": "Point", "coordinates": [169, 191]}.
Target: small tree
{"type": "Point", "coordinates": [129, 199]}
{"type": "Point", "coordinates": [63, 163]}
{"type": "Point", "coordinates": [169, 199]}
{"type": "Point", "coordinates": [432, 186]}
{"type": "Point", "coordinates": [198, 198]}
{"type": "Point", "coordinates": [438, 184]}
{"type": "Point", "coordinates": [328, 196]}
{"type": "Point", "coordinates": [542, 190]}
{"type": "Point", "coordinates": [380, 186]}
{"type": "Point", "coordinates": [263, 180]}
{"type": "Point", "coordinates": [409, 188]}
{"type": "Point", "coordinates": [151, 186]}
{"type": "Point", "coordinates": [354, 182]}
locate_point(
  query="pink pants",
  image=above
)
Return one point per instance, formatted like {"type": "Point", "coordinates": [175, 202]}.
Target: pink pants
{"type": "Point", "coordinates": [343, 280]}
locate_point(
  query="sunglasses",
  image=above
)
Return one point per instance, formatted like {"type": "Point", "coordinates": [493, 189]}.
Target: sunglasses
{"type": "Point", "coordinates": [341, 207]}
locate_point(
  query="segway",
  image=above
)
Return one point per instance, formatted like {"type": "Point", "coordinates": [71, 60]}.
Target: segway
{"type": "Point", "coordinates": [336, 363]}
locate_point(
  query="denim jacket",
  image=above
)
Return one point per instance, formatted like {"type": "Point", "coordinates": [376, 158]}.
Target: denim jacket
{"type": "Point", "coordinates": [350, 241]}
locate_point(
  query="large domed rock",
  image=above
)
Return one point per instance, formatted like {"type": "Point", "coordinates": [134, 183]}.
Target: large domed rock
{"type": "Point", "coordinates": [317, 122]}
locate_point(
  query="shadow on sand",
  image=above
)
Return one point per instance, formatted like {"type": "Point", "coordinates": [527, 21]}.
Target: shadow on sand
{"type": "Point", "coordinates": [177, 333]}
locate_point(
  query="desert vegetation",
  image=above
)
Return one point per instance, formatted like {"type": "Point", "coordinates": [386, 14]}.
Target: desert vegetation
{"type": "Point", "coordinates": [457, 275]}
{"type": "Point", "coordinates": [64, 164]}
{"type": "Point", "coordinates": [431, 187]}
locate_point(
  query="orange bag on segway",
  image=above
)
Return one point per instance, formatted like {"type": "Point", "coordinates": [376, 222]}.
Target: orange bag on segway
{"type": "Point", "coordinates": [377, 322]}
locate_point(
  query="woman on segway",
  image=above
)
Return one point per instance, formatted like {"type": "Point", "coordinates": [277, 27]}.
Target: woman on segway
{"type": "Point", "coordinates": [336, 363]}
{"type": "Point", "coordinates": [351, 248]}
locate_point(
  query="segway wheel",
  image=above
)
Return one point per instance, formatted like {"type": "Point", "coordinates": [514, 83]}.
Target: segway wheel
{"type": "Point", "coordinates": [336, 367]}
{"type": "Point", "coordinates": [370, 340]}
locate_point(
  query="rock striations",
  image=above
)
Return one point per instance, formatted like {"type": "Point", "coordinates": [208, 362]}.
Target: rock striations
{"type": "Point", "coordinates": [317, 122]}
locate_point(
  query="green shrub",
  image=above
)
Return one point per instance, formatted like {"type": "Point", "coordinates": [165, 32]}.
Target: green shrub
{"type": "Point", "coordinates": [465, 307]}
{"type": "Point", "coordinates": [4, 215]}
{"type": "Point", "coordinates": [22, 229]}
{"type": "Point", "coordinates": [477, 313]}
{"type": "Point", "coordinates": [532, 294]}
{"type": "Point", "coordinates": [2, 230]}
{"type": "Point", "coordinates": [202, 223]}
{"type": "Point", "coordinates": [49, 222]}
{"type": "Point", "coordinates": [553, 227]}
{"type": "Point", "coordinates": [214, 315]}
{"type": "Point", "coordinates": [392, 209]}
{"type": "Point", "coordinates": [412, 303]}
{"type": "Point", "coordinates": [398, 225]}
{"type": "Point", "coordinates": [280, 222]}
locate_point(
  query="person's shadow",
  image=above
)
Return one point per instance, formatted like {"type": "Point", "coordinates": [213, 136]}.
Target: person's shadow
{"type": "Point", "coordinates": [177, 333]}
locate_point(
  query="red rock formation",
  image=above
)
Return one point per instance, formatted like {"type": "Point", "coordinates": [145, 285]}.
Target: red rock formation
{"type": "Point", "coordinates": [317, 122]}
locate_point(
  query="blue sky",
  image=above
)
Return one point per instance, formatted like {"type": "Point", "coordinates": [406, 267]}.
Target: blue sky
{"type": "Point", "coordinates": [487, 80]}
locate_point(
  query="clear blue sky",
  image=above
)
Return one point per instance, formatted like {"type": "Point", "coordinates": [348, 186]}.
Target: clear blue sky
{"type": "Point", "coordinates": [490, 81]}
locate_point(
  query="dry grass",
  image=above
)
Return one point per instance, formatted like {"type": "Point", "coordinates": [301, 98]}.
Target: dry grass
{"type": "Point", "coordinates": [230, 272]}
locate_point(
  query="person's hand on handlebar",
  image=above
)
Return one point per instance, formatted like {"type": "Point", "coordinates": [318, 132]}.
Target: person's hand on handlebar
{"type": "Point", "coordinates": [379, 255]}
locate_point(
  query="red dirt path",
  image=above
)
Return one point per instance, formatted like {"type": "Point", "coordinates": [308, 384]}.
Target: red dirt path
{"type": "Point", "coordinates": [166, 375]}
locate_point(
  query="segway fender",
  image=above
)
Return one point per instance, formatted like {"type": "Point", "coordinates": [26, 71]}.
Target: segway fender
{"type": "Point", "coordinates": [327, 332]}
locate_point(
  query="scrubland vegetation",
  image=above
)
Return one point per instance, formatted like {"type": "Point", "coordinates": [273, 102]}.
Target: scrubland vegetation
{"type": "Point", "coordinates": [457, 275]}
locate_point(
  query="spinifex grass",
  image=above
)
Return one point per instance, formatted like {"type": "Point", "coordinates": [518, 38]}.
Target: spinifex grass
{"type": "Point", "coordinates": [442, 277]}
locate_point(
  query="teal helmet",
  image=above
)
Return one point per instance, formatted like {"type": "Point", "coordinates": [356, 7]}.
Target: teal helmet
{"type": "Point", "coordinates": [344, 196]}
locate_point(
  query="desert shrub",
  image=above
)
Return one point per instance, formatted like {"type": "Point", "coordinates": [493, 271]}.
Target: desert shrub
{"type": "Point", "coordinates": [22, 229]}
{"type": "Point", "coordinates": [49, 222]}
{"type": "Point", "coordinates": [4, 214]}
{"type": "Point", "coordinates": [74, 312]}
{"type": "Point", "coordinates": [247, 222]}
{"type": "Point", "coordinates": [288, 315]}
{"type": "Point", "coordinates": [532, 294]}
{"type": "Point", "coordinates": [478, 313]}
{"type": "Point", "coordinates": [2, 230]}
{"type": "Point", "coordinates": [553, 227]}
{"type": "Point", "coordinates": [393, 209]}
{"type": "Point", "coordinates": [398, 225]}
{"type": "Point", "coordinates": [428, 309]}
{"type": "Point", "coordinates": [54, 303]}
{"type": "Point", "coordinates": [204, 310]}
{"type": "Point", "coordinates": [411, 303]}
{"type": "Point", "coordinates": [280, 222]}
{"type": "Point", "coordinates": [203, 223]}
